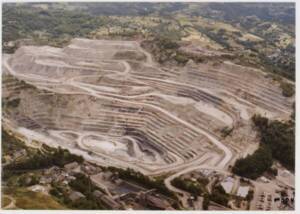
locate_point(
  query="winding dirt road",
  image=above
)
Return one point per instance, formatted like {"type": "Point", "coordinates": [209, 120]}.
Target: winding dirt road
{"type": "Point", "coordinates": [89, 90]}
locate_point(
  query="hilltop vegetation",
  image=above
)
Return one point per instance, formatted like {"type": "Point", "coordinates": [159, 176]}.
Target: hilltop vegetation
{"type": "Point", "coordinates": [53, 27]}
{"type": "Point", "coordinates": [281, 13]}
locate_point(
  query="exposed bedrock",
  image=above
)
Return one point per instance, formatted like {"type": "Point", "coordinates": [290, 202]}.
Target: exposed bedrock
{"type": "Point", "coordinates": [110, 100]}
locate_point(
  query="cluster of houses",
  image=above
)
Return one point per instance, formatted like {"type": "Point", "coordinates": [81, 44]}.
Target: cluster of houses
{"type": "Point", "coordinates": [120, 194]}
{"type": "Point", "coordinates": [66, 174]}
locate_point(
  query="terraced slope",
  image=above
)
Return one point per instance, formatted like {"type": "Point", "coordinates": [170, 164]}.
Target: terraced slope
{"type": "Point", "coordinates": [110, 102]}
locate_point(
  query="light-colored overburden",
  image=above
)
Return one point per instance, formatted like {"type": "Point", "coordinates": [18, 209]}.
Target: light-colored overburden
{"type": "Point", "coordinates": [110, 102]}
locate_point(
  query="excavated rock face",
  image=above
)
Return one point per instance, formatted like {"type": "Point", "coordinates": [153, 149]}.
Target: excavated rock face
{"type": "Point", "coordinates": [108, 101]}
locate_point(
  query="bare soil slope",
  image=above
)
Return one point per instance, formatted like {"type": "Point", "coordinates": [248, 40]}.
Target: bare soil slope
{"type": "Point", "coordinates": [110, 102]}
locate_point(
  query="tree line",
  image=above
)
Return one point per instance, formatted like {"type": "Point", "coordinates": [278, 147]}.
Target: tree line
{"type": "Point", "coordinates": [277, 141]}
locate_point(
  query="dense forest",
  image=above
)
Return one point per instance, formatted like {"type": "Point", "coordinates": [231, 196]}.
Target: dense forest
{"type": "Point", "coordinates": [277, 141]}
{"type": "Point", "coordinates": [254, 165]}
{"type": "Point", "coordinates": [280, 137]}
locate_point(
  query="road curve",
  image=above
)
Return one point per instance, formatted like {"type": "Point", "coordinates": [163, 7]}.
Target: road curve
{"type": "Point", "coordinates": [92, 92]}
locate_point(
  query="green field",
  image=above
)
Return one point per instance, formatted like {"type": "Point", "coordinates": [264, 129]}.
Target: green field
{"type": "Point", "coordinates": [26, 199]}
{"type": "Point", "coordinates": [5, 201]}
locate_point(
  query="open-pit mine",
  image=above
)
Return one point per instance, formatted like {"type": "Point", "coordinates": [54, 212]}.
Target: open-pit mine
{"type": "Point", "coordinates": [110, 102]}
